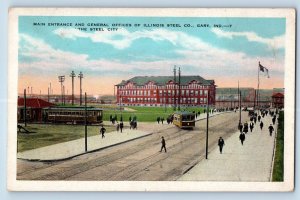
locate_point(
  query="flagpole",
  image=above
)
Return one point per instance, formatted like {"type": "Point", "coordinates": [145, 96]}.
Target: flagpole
{"type": "Point", "coordinates": [257, 96]}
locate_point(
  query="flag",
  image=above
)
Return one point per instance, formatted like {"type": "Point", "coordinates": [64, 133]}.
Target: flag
{"type": "Point", "coordinates": [263, 69]}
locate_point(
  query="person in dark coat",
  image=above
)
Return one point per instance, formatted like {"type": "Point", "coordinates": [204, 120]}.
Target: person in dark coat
{"type": "Point", "coordinates": [121, 126]}
{"type": "Point", "coordinates": [162, 120]}
{"type": "Point", "coordinates": [221, 143]}
{"type": "Point", "coordinates": [240, 127]}
{"type": "Point", "coordinates": [259, 117]}
{"type": "Point", "coordinates": [158, 119]}
{"type": "Point", "coordinates": [254, 119]}
{"type": "Point", "coordinates": [271, 129]}
{"type": "Point", "coordinates": [163, 144]}
{"type": "Point", "coordinates": [245, 129]}
{"type": "Point", "coordinates": [274, 119]}
{"type": "Point", "coordinates": [242, 138]}
{"type": "Point", "coordinates": [251, 126]}
{"type": "Point", "coordinates": [118, 127]}
{"type": "Point", "coordinates": [261, 125]}
{"type": "Point", "coordinates": [102, 131]}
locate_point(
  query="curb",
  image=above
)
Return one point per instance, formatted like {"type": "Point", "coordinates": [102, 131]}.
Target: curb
{"type": "Point", "coordinates": [90, 151]}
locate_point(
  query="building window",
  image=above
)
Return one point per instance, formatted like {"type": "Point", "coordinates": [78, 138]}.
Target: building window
{"type": "Point", "coordinates": [196, 92]}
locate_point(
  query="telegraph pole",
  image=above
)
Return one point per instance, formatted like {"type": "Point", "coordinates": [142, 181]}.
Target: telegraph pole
{"type": "Point", "coordinates": [179, 88]}
{"type": "Point", "coordinates": [25, 109]}
{"type": "Point", "coordinates": [207, 116]}
{"type": "Point", "coordinates": [174, 70]}
{"type": "Point", "coordinates": [80, 76]}
{"type": "Point", "coordinates": [48, 95]}
{"type": "Point", "coordinates": [85, 124]}
{"type": "Point", "coordinates": [61, 79]}
{"type": "Point", "coordinates": [240, 119]}
{"type": "Point", "coordinates": [72, 75]}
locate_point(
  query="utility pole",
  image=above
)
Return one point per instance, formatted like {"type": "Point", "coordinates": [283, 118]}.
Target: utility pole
{"type": "Point", "coordinates": [240, 119]}
{"type": "Point", "coordinates": [61, 79]}
{"type": "Point", "coordinates": [174, 70]}
{"type": "Point", "coordinates": [80, 76]}
{"type": "Point", "coordinates": [64, 95]}
{"type": "Point", "coordinates": [85, 124]}
{"type": "Point", "coordinates": [72, 75]}
{"type": "Point", "coordinates": [207, 116]}
{"type": "Point", "coordinates": [48, 95]}
{"type": "Point", "coordinates": [25, 109]}
{"type": "Point", "coordinates": [179, 88]}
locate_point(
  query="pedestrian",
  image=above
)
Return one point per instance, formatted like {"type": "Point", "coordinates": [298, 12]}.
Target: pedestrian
{"type": "Point", "coordinates": [240, 127]}
{"type": "Point", "coordinates": [254, 119]}
{"type": "Point", "coordinates": [259, 117]}
{"type": "Point", "coordinates": [271, 129]}
{"type": "Point", "coordinates": [162, 120]}
{"type": "Point", "coordinates": [261, 125]}
{"type": "Point", "coordinates": [102, 131]}
{"type": "Point", "coordinates": [274, 119]}
{"type": "Point", "coordinates": [121, 126]}
{"type": "Point", "coordinates": [251, 126]}
{"type": "Point", "coordinates": [158, 119]}
{"type": "Point", "coordinates": [118, 127]}
{"type": "Point", "coordinates": [221, 143]}
{"type": "Point", "coordinates": [163, 144]}
{"type": "Point", "coordinates": [245, 129]}
{"type": "Point", "coordinates": [242, 138]}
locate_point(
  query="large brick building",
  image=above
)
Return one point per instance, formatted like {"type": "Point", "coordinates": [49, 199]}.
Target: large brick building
{"type": "Point", "coordinates": [164, 91]}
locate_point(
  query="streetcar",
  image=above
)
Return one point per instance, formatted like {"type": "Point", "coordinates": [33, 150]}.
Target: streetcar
{"type": "Point", "coordinates": [73, 115]}
{"type": "Point", "coordinates": [184, 119]}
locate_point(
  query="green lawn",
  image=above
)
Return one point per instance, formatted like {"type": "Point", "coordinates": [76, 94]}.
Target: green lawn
{"type": "Point", "coordinates": [278, 168]}
{"type": "Point", "coordinates": [52, 134]}
{"type": "Point", "coordinates": [144, 114]}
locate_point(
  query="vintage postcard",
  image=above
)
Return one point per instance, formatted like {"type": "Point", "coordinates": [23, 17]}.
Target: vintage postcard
{"type": "Point", "coordinates": [164, 99]}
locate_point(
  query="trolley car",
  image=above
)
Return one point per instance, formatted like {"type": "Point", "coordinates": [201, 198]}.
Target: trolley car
{"type": "Point", "coordinates": [184, 119]}
{"type": "Point", "coordinates": [74, 115]}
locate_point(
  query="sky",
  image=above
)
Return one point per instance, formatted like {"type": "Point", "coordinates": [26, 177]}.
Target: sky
{"type": "Point", "coordinates": [226, 50]}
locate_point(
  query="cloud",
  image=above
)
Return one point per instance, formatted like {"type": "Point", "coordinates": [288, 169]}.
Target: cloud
{"type": "Point", "coordinates": [122, 38]}
{"type": "Point", "coordinates": [195, 57]}
{"type": "Point", "coordinates": [276, 42]}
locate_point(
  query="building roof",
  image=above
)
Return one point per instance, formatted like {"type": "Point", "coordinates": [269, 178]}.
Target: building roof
{"type": "Point", "coordinates": [162, 80]}
{"type": "Point", "coordinates": [75, 108]}
{"type": "Point", "coordinates": [34, 103]}
{"type": "Point", "coordinates": [278, 95]}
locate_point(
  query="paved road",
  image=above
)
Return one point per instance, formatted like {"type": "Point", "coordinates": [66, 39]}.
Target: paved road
{"type": "Point", "coordinates": [139, 159]}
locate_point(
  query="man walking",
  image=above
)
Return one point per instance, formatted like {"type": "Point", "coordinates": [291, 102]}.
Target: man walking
{"type": "Point", "coordinates": [221, 143]}
{"type": "Point", "coordinates": [271, 129]}
{"type": "Point", "coordinates": [121, 126]}
{"type": "Point", "coordinates": [242, 138]}
{"type": "Point", "coordinates": [163, 144]}
{"type": "Point", "coordinates": [102, 131]}
{"type": "Point", "coordinates": [251, 126]}
{"type": "Point", "coordinates": [261, 125]}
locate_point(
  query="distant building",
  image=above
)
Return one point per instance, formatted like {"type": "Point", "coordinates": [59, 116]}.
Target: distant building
{"type": "Point", "coordinates": [278, 100]}
{"type": "Point", "coordinates": [33, 109]}
{"type": "Point", "coordinates": [164, 91]}
{"type": "Point", "coordinates": [229, 97]}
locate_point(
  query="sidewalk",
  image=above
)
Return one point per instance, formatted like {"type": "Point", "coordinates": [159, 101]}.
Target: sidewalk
{"type": "Point", "coordinates": [250, 162]}
{"type": "Point", "coordinates": [74, 148]}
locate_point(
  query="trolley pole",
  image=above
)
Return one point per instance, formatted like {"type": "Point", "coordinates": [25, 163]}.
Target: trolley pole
{"type": "Point", "coordinates": [85, 124]}
{"type": "Point", "coordinates": [207, 116]}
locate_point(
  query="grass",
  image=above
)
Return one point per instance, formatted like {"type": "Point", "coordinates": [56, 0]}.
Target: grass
{"type": "Point", "coordinates": [45, 134]}
{"type": "Point", "coordinates": [278, 168]}
{"type": "Point", "coordinates": [144, 114]}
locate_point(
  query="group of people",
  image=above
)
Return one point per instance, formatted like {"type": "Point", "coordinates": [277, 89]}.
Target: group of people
{"type": "Point", "coordinates": [244, 129]}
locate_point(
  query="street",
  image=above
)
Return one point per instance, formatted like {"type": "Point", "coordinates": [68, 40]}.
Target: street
{"type": "Point", "coordinates": [139, 160]}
